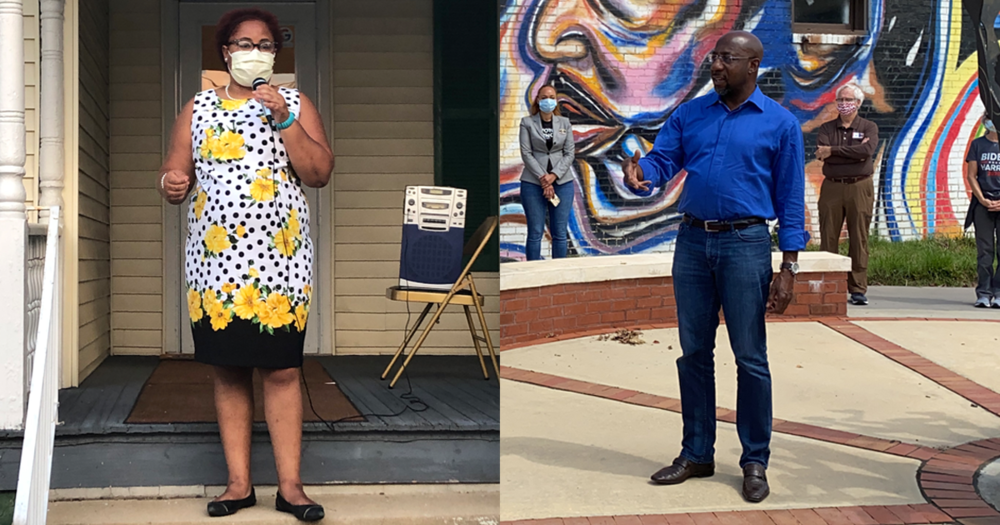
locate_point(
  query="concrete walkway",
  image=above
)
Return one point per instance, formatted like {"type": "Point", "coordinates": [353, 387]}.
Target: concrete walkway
{"type": "Point", "coordinates": [904, 301]}
{"type": "Point", "coordinates": [347, 505]}
{"type": "Point", "coordinates": [873, 421]}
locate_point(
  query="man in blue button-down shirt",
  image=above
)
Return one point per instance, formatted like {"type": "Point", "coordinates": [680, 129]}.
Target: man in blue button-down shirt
{"type": "Point", "coordinates": [744, 158]}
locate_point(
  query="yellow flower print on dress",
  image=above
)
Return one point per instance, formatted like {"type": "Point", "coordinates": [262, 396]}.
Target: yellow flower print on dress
{"type": "Point", "coordinates": [262, 190]}
{"type": "Point", "coordinates": [210, 300]}
{"type": "Point", "coordinates": [217, 240]}
{"type": "Point", "coordinates": [230, 105]}
{"type": "Point", "coordinates": [253, 273]}
{"type": "Point", "coordinates": [194, 305]}
{"type": "Point", "coordinates": [231, 146]}
{"type": "Point", "coordinates": [293, 224]}
{"type": "Point", "coordinates": [287, 240]}
{"type": "Point", "coordinates": [199, 203]}
{"type": "Point", "coordinates": [276, 312]}
{"type": "Point", "coordinates": [301, 315]}
{"type": "Point", "coordinates": [262, 186]}
{"type": "Point", "coordinates": [245, 302]}
{"type": "Point", "coordinates": [228, 288]}
{"type": "Point", "coordinates": [241, 232]}
{"type": "Point", "coordinates": [208, 143]}
{"type": "Point", "coordinates": [222, 144]}
{"type": "Point", "coordinates": [220, 317]}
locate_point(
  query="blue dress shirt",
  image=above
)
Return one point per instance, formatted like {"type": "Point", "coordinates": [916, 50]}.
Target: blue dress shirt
{"type": "Point", "coordinates": [749, 162]}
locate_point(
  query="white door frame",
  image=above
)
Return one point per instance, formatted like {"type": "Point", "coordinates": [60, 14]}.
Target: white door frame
{"type": "Point", "coordinates": [176, 331]}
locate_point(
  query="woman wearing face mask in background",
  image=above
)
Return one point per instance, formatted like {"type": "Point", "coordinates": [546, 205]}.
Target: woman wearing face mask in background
{"type": "Point", "coordinates": [547, 181]}
{"type": "Point", "coordinates": [248, 258]}
{"type": "Point", "coordinates": [982, 172]}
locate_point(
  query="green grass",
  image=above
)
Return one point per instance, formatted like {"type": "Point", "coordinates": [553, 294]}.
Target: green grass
{"type": "Point", "coordinates": [937, 261]}
{"type": "Point", "coordinates": [6, 508]}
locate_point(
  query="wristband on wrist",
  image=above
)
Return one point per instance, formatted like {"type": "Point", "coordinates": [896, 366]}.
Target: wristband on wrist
{"type": "Point", "coordinates": [288, 123]}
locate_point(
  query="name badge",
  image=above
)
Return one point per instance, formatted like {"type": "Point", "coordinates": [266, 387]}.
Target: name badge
{"type": "Point", "coordinates": [858, 135]}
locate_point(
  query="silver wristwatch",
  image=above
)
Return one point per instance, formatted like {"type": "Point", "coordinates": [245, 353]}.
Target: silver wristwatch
{"type": "Point", "coordinates": [792, 267]}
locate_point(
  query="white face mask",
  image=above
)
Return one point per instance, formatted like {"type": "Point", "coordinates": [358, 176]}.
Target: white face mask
{"type": "Point", "coordinates": [247, 66]}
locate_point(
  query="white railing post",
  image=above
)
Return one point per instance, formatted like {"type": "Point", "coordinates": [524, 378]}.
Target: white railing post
{"type": "Point", "coordinates": [13, 223]}
{"type": "Point", "coordinates": [50, 160]}
{"type": "Point", "coordinates": [34, 476]}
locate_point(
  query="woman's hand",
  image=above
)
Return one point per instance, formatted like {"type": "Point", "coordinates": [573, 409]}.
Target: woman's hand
{"type": "Point", "coordinates": [549, 191]}
{"type": "Point", "coordinates": [177, 172]}
{"type": "Point", "coordinates": [175, 186]}
{"type": "Point", "coordinates": [272, 100]}
{"type": "Point", "coordinates": [548, 179]}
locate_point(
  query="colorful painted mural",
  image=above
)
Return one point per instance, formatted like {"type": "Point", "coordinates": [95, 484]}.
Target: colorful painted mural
{"type": "Point", "coordinates": [622, 66]}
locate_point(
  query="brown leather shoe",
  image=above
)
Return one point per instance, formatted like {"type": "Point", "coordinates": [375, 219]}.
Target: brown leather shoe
{"type": "Point", "coordinates": [681, 470]}
{"type": "Point", "coordinates": [755, 487]}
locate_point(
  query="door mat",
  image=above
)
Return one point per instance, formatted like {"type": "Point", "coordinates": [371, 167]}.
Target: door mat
{"type": "Point", "coordinates": [182, 391]}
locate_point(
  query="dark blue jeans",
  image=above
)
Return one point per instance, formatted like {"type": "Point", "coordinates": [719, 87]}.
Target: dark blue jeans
{"type": "Point", "coordinates": [536, 207]}
{"type": "Point", "coordinates": [731, 270]}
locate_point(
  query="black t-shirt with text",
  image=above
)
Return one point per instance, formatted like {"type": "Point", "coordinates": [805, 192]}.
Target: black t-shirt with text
{"type": "Point", "coordinates": [547, 133]}
{"type": "Point", "coordinates": [986, 154]}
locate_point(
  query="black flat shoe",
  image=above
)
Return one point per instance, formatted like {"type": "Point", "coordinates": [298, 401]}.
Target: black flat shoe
{"type": "Point", "coordinates": [230, 506]}
{"type": "Point", "coordinates": [755, 487]}
{"type": "Point", "coordinates": [302, 512]}
{"type": "Point", "coordinates": [681, 470]}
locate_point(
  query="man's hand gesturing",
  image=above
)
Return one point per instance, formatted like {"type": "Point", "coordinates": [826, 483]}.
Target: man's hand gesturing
{"type": "Point", "coordinates": [175, 186]}
{"type": "Point", "coordinates": [633, 173]}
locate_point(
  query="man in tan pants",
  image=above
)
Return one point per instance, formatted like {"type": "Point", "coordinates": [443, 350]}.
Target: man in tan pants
{"type": "Point", "coordinates": [846, 146]}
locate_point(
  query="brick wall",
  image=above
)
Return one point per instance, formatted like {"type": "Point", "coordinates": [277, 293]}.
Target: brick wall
{"type": "Point", "coordinates": [916, 64]}
{"type": "Point", "coordinates": [533, 315]}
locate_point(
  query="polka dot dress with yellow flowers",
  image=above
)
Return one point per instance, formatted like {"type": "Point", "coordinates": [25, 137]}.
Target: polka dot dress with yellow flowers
{"type": "Point", "coordinates": [249, 257]}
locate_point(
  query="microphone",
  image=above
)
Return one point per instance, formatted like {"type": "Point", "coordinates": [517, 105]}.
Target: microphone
{"type": "Point", "coordinates": [256, 84]}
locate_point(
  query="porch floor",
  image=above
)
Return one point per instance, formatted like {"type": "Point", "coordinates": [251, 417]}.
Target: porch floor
{"type": "Point", "coordinates": [455, 438]}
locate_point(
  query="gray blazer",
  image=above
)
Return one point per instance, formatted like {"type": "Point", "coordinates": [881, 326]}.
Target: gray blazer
{"type": "Point", "coordinates": [535, 152]}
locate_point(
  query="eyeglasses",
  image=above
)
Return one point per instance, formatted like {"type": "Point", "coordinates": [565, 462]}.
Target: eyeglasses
{"type": "Point", "coordinates": [726, 59]}
{"type": "Point", "coordinates": [245, 44]}
{"type": "Point", "coordinates": [847, 100]}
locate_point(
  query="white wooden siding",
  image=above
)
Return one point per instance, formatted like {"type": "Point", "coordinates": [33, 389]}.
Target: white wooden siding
{"type": "Point", "coordinates": [136, 251]}
{"type": "Point", "coordinates": [383, 136]}
{"type": "Point", "coordinates": [94, 218]}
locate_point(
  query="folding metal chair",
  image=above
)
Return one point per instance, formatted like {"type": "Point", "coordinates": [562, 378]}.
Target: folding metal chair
{"type": "Point", "coordinates": [463, 292]}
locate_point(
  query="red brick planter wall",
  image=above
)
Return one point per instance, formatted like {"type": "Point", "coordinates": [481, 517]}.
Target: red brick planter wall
{"type": "Point", "coordinates": [541, 313]}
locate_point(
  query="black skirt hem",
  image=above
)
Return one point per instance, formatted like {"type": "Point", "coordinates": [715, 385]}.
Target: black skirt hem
{"type": "Point", "coordinates": [242, 344]}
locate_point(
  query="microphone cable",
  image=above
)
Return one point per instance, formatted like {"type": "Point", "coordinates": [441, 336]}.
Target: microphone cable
{"type": "Point", "coordinates": [411, 401]}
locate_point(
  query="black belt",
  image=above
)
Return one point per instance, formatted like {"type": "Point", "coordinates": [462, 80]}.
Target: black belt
{"type": "Point", "coordinates": [722, 226]}
{"type": "Point", "coordinates": [848, 180]}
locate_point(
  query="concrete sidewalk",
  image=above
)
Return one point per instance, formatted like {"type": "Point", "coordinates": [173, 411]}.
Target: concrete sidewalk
{"type": "Point", "coordinates": [348, 505]}
{"type": "Point", "coordinates": [926, 302]}
{"type": "Point", "coordinates": [921, 384]}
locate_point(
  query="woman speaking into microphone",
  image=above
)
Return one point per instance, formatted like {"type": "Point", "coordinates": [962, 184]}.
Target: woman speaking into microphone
{"type": "Point", "coordinates": [241, 155]}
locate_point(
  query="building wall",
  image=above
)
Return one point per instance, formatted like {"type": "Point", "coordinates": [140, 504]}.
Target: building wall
{"type": "Point", "coordinates": [32, 52]}
{"type": "Point", "coordinates": [136, 207]}
{"type": "Point", "coordinates": [383, 136]}
{"type": "Point", "coordinates": [94, 218]}
{"type": "Point", "coordinates": [917, 66]}
{"type": "Point", "coordinates": [383, 131]}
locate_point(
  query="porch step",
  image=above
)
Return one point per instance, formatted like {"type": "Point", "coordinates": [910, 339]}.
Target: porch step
{"type": "Point", "coordinates": [452, 436]}
{"type": "Point", "coordinates": [350, 505]}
